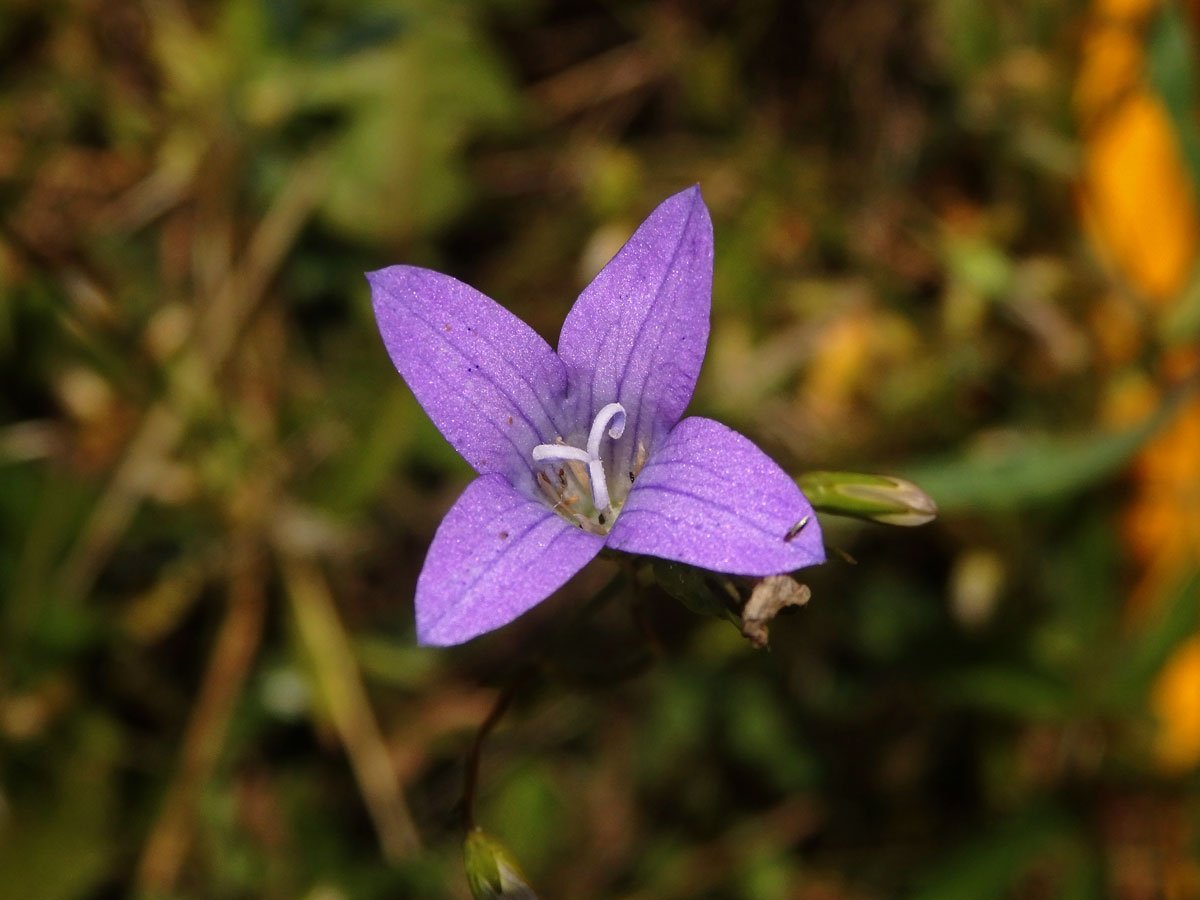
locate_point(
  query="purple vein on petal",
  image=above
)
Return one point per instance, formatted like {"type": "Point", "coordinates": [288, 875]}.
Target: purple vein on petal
{"type": "Point", "coordinates": [496, 356]}
{"type": "Point", "coordinates": [510, 372]}
{"type": "Point", "coordinates": [495, 555]}
{"type": "Point", "coordinates": [700, 499]}
{"type": "Point", "coordinates": [517, 406]}
{"type": "Point", "coordinates": [660, 333]}
{"type": "Point", "coordinates": [709, 496]}
{"type": "Point", "coordinates": [645, 296]}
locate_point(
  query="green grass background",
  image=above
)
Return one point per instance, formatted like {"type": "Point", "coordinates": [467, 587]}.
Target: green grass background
{"type": "Point", "coordinates": [216, 494]}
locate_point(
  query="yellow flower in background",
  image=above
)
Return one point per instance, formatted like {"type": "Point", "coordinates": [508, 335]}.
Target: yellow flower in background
{"type": "Point", "coordinates": [1138, 201]}
{"type": "Point", "coordinates": [1162, 524]}
{"type": "Point", "coordinates": [842, 359]}
{"type": "Point", "coordinates": [1175, 700]}
{"type": "Point", "coordinates": [1138, 205]}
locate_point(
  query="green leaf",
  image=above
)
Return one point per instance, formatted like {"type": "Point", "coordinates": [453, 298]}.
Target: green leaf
{"type": "Point", "coordinates": [991, 866]}
{"type": "Point", "coordinates": [1010, 690]}
{"type": "Point", "coordinates": [59, 843]}
{"type": "Point", "coordinates": [694, 588]}
{"type": "Point", "coordinates": [1151, 646]}
{"type": "Point", "coordinates": [1180, 322]}
{"type": "Point", "coordinates": [1172, 71]}
{"type": "Point", "coordinates": [1028, 470]}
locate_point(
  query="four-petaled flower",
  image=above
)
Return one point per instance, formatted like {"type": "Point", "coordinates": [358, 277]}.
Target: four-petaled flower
{"type": "Point", "coordinates": [584, 448]}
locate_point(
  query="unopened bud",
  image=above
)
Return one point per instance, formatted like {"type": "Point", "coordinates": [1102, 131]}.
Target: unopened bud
{"type": "Point", "coordinates": [492, 872]}
{"type": "Point", "coordinates": [879, 498]}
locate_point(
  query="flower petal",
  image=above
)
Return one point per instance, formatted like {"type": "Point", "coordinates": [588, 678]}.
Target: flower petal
{"type": "Point", "coordinates": [637, 333]}
{"type": "Point", "coordinates": [495, 555]}
{"type": "Point", "coordinates": [709, 497]}
{"type": "Point", "coordinates": [492, 386]}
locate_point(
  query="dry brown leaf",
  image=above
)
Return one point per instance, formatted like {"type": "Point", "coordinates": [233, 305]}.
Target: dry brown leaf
{"type": "Point", "coordinates": [772, 594]}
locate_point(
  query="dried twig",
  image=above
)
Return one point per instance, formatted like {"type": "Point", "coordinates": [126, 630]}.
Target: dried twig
{"type": "Point", "coordinates": [345, 701]}
{"type": "Point", "coordinates": [164, 424]}
{"type": "Point", "coordinates": [233, 654]}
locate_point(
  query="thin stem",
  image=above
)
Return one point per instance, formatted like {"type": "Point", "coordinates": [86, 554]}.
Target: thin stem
{"type": "Point", "coordinates": [165, 852]}
{"type": "Point", "coordinates": [499, 708]}
{"type": "Point", "coordinates": [626, 573]}
{"type": "Point", "coordinates": [637, 610]}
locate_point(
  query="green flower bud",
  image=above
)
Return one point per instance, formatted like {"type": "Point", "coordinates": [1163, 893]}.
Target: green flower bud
{"type": "Point", "coordinates": [879, 498]}
{"type": "Point", "coordinates": [491, 870]}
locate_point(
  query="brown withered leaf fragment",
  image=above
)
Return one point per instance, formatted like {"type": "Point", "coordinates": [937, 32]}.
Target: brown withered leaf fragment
{"type": "Point", "coordinates": [773, 593]}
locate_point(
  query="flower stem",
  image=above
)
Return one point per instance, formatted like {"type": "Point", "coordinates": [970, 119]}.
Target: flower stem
{"type": "Point", "coordinates": [499, 708]}
{"type": "Point", "coordinates": [626, 574]}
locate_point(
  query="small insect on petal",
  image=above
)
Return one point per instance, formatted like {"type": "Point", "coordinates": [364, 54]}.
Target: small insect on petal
{"type": "Point", "coordinates": [795, 530]}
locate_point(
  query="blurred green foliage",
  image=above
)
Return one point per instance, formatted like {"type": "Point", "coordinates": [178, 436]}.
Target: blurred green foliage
{"type": "Point", "coordinates": [215, 494]}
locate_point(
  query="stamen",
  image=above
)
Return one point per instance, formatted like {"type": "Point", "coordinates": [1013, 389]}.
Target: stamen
{"type": "Point", "coordinates": [611, 417]}
{"type": "Point", "coordinates": [638, 462]}
{"type": "Point", "coordinates": [578, 471]}
{"type": "Point", "coordinates": [563, 504]}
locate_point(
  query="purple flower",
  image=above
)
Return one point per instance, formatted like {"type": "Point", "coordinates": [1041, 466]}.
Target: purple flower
{"type": "Point", "coordinates": [584, 448]}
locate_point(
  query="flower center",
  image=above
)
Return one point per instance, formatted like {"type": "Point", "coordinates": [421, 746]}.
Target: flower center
{"type": "Point", "coordinates": [583, 463]}
{"type": "Point", "coordinates": [612, 418]}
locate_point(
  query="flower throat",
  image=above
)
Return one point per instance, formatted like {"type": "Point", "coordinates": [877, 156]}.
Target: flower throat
{"type": "Point", "coordinates": [582, 473]}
